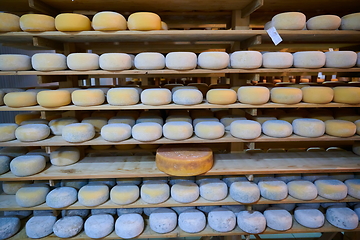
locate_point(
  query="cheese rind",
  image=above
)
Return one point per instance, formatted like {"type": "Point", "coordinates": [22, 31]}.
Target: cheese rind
{"type": "Point", "coordinates": [273, 189]}
{"type": "Point", "coordinates": [278, 219]}
{"type": "Point", "coordinates": [331, 189]}
{"type": "Point", "coordinates": [146, 131]}
{"type": "Point", "coordinates": [108, 21]}
{"type": "Point", "coordinates": [78, 132]}
{"type": "Point", "coordinates": [244, 192]}
{"type": "Point", "coordinates": [88, 97]}
{"type": "Point", "coordinates": [187, 96]}
{"type": "Point", "coordinates": [156, 96]}
{"type": "Point", "coordinates": [221, 96]}
{"type": "Point", "coordinates": [309, 59]}
{"type": "Point", "coordinates": [32, 195]}
{"type": "Point", "coordinates": [340, 128]}
{"type": "Point", "coordinates": [115, 61]}
{"type": "Point", "coordinates": [277, 128]}
{"type": "Point", "coordinates": [149, 61]}
{"type": "Point", "coordinates": [48, 61]}
{"type": "Point", "coordinates": [253, 94]}
{"type": "Point", "coordinates": [68, 227]}
{"type": "Point", "coordinates": [309, 217]}
{"type": "Point", "coordinates": [9, 22]}
{"type": "Point", "coordinates": [64, 156]}
{"type": "Point", "coordinates": [32, 132]}
{"type": "Point", "coordinates": [154, 191]}
{"type": "Point", "coordinates": [20, 99]}
{"type": "Point", "coordinates": [286, 95]}
{"type": "Point", "coordinates": [181, 60]}
{"type": "Point", "coordinates": [144, 21]}
{"type": "Point", "coordinates": [56, 125]}
{"type": "Point", "coordinates": [15, 62]}
{"type": "Point", "coordinates": [289, 21]}
{"type": "Point", "coordinates": [302, 189]}
{"type": "Point", "coordinates": [129, 225]}
{"type": "Point", "coordinates": [83, 61]}
{"type": "Point", "coordinates": [252, 222]}
{"type": "Point", "coordinates": [93, 194]}
{"type": "Point", "coordinates": [340, 59]}
{"type": "Point", "coordinates": [277, 60]}
{"type": "Point", "coordinates": [185, 192]}
{"type": "Point", "coordinates": [9, 226]}
{"type": "Point", "coordinates": [342, 217]}
{"type": "Point", "coordinates": [7, 131]}
{"type": "Point", "coordinates": [116, 132]}
{"type": "Point", "coordinates": [53, 98]}
{"type": "Point", "coordinates": [72, 22]}
{"type": "Point", "coordinates": [246, 59]}
{"type": "Point", "coordinates": [213, 189]}
{"type": "Point", "coordinates": [192, 221]}
{"type": "Point", "coordinates": [61, 197]}
{"type": "Point", "coordinates": [99, 226]}
{"type": "Point", "coordinates": [39, 226]}
{"type": "Point", "coordinates": [213, 60]}
{"type": "Point", "coordinates": [123, 96]}
{"type": "Point", "coordinates": [209, 130]}
{"type": "Point", "coordinates": [222, 220]}
{"type": "Point", "coordinates": [4, 164]}
{"type": "Point", "coordinates": [177, 130]}
{"type": "Point", "coordinates": [245, 129]}
{"type": "Point", "coordinates": [37, 23]}
{"type": "Point", "coordinates": [124, 193]}
{"type": "Point", "coordinates": [317, 94]}
{"type": "Point", "coordinates": [349, 95]}
{"type": "Point", "coordinates": [308, 127]}
{"type": "Point", "coordinates": [163, 220]}
{"type": "Point", "coordinates": [27, 165]}
{"type": "Point", "coordinates": [350, 22]}
{"type": "Point", "coordinates": [323, 22]}
{"type": "Point", "coordinates": [353, 186]}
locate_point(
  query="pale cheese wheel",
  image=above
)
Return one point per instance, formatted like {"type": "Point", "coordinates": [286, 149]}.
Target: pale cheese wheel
{"type": "Point", "coordinates": [61, 197]}
{"type": "Point", "coordinates": [68, 227]}
{"type": "Point", "coordinates": [177, 130]}
{"type": "Point", "coordinates": [188, 97]}
{"type": "Point", "coordinates": [78, 132]}
{"type": "Point", "coordinates": [317, 94]}
{"type": "Point", "coordinates": [309, 59]}
{"type": "Point", "coordinates": [115, 61]}
{"type": "Point", "coordinates": [144, 21]}
{"type": "Point", "coordinates": [278, 219]}
{"type": "Point", "coordinates": [277, 128]}
{"type": "Point", "coordinates": [244, 192]}
{"type": "Point", "coordinates": [302, 189]}
{"type": "Point", "coordinates": [97, 122]}
{"type": "Point", "coordinates": [245, 129]}
{"type": "Point", "coordinates": [246, 59]}
{"type": "Point", "coordinates": [221, 96]}
{"type": "Point", "coordinates": [64, 156]}
{"type": "Point", "coordinates": [32, 195]}
{"type": "Point", "coordinates": [4, 164]}
{"type": "Point", "coordinates": [56, 125]}
{"type": "Point", "coordinates": [156, 96]}
{"type": "Point", "coordinates": [204, 119]}
{"type": "Point", "coordinates": [149, 61]}
{"type": "Point", "coordinates": [108, 21]}
{"type": "Point", "coordinates": [129, 225]}
{"type": "Point", "coordinates": [286, 95]}
{"type": "Point", "coordinates": [123, 194]}
{"type": "Point", "coordinates": [27, 165]}
{"type": "Point", "coordinates": [349, 95]}
{"type": "Point", "coordinates": [15, 62]}
{"type": "Point", "coordinates": [309, 217]}
{"type": "Point", "coordinates": [53, 98]}
{"type": "Point", "coordinates": [37, 23]}
{"type": "Point", "coordinates": [222, 220]}
{"type": "Point", "coordinates": [340, 128]}
{"type": "Point", "coordinates": [353, 186]}
{"type": "Point", "coordinates": [116, 132]}
{"type": "Point", "coordinates": [213, 190]}
{"type": "Point", "coordinates": [228, 119]}
{"type": "Point", "coordinates": [253, 94]}
{"type": "Point", "coordinates": [9, 226]}
{"type": "Point", "coordinates": [154, 191]}
{"type": "Point", "coordinates": [124, 119]}
{"type": "Point", "coordinates": [122, 96]}
{"type": "Point", "coordinates": [9, 22]}
{"type": "Point", "coordinates": [88, 97]}
{"type": "Point", "coordinates": [149, 118]}
{"type": "Point", "coordinates": [7, 131]}
{"type": "Point", "coordinates": [331, 189]}
{"type": "Point", "coordinates": [83, 61]}
{"type": "Point", "coordinates": [146, 131]}
{"type": "Point", "coordinates": [185, 192]}
{"type": "Point", "coordinates": [213, 60]}
{"type": "Point", "coordinates": [93, 194]}
{"type": "Point", "coordinates": [32, 132]}
{"type": "Point", "coordinates": [342, 217]}
{"type": "Point", "coordinates": [181, 60]}
{"type": "Point", "coordinates": [252, 222]}
{"type": "Point", "coordinates": [209, 130]}
{"type": "Point", "coordinates": [340, 59]}
{"type": "Point", "coordinates": [39, 226]}
{"type": "Point", "coordinates": [323, 22]}
{"type": "Point", "coordinates": [48, 61]}
{"type": "Point", "coordinates": [273, 189]}
{"type": "Point", "coordinates": [289, 21]}
{"type": "Point", "coordinates": [163, 220]}
{"type": "Point", "coordinates": [99, 226]}
{"type": "Point", "coordinates": [72, 22]}
{"type": "Point", "coordinates": [192, 221]}
{"type": "Point", "coordinates": [350, 22]}
{"type": "Point", "coordinates": [277, 60]}
{"type": "Point", "coordinates": [308, 127]}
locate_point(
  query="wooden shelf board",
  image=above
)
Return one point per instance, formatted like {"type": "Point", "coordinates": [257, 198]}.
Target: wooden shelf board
{"type": "Point", "coordinates": [224, 164]}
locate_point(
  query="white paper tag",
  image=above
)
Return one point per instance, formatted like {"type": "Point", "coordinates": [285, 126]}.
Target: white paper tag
{"type": "Point", "coordinates": [331, 49]}
{"type": "Point", "coordinates": [320, 75]}
{"type": "Point", "coordinates": [274, 35]}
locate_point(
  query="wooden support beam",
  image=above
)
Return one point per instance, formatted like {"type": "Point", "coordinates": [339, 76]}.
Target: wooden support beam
{"type": "Point", "coordinates": [252, 41]}
{"type": "Point", "coordinates": [47, 44]}
{"type": "Point", "coordinates": [251, 7]}
{"type": "Point", "coordinates": [238, 22]}
{"type": "Point", "coordinates": [38, 5]}
{"type": "Point", "coordinates": [50, 79]}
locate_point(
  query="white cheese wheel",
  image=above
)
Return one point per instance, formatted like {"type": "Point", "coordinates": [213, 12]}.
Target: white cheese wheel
{"type": "Point", "coordinates": [302, 189]}
{"type": "Point", "coordinates": [97, 122]}
{"type": "Point", "coordinates": [124, 193]}
{"type": "Point", "coordinates": [108, 21]}
{"type": "Point", "coordinates": [146, 131]}
{"type": "Point", "coordinates": [15, 62]}
{"type": "Point", "coordinates": [88, 97]}
{"type": "Point", "coordinates": [61, 197]}
{"type": "Point", "coordinates": [340, 128]}
{"type": "Point", "coordinates": [245, 129]}
{"type": "Point", "coordinates": [83, 61]}
{"type": "Point", "coordinates": [156, 96]}
{"type": "Point", "coordinates": [353, 186]}
{"type": "Point", "coordinates": [9, 22]}
{"type": "Point", "coordinates": [7, 131]}
{"type": "Point", "coordinates": [11, 188]}
{"type": "Point", "coordinates": [252, 222]}
{"type": "Point", "coordinates": [277, 60]}
{"type": "Point", "coordinates": [309, 59]}
{"type": "Point", "coordinates": [32, 195]}
{"type": "Point", "coordinates": [68, 227]}
{"type": "Point", "coordinates": [213, 60]}
{"type": "Point", "coordinates": [309, 217]}
{"type": "Point", "coordinates": [323, 22]}
{"type": "Point", "coordinates": [185, 192]}
{"type": "Point", "coordinates": [56, 125]}
{"type": "Point", "coordinates": [277, 128]}
{"type": "Point", "coordinates": [93, 194]}
{"type": "Point", "coordinates": [340, 59]}
{"type": "Point", "coordinates": [253, 94]}
{"type": "Point", "coordinates": [317, 94]}
{"type": "Point", "coordinates": [115, 61]}
{"type": "Point", "coordinates": [221, 96]}
{"type": "Point", "coordinates": [286, 95]}
{"type": "Point", "coordinates": [246, 59]}
{"type": "Point", "coordinates": [163, 220]}
{"type": "Point", "coordinates": [350, 22]}
{"type": "Point", "coordinates": [289, 21]}
{"type": "Point", "coordinates": [40, 226]}
{"type": "Point", "coordinates": [124, 119]}
{"type": "Point", "coordinates": [53, 98]}
{"type": "Point", "coordinates": [27, 165]}
{"type": "Point", "coordinates": [149, 61]}
{"type": "Point", "coordinates": [349, 95]}
{"type": "Point", "coordinates": [99, 226]}
{"type": "Point", "coordinates": [181, 60]}
{"type": "Point", "coordinates": [177, 130]}
{"type": "Point", "coordinates": [9, 226]}
{"type": "Point", "coordinates": [278, 219]}
{"type": "Point", "coordinates": [129, 225]}
{"type": "Point", "coordinates": [32, 132]}
{"type": "Point", "coordinates": [213, 190]}
{"type": "Point", "coordinates": [331, 189]}
{"type": "Point", "coordinates": [48, 61]}
{"type": "Point", "coordinates": [209, 130]}
{"type": "Point", "coordinates": [78, 132]}
{"type": "Point", "coordinates": [116, 132]}
{"type": "Point", "coordinates": [308, 127]}
{"type": "Point", "coordinates": [72, 22]}
{"type": "Point", "coordinates": [192, 221]}
{"type": "Point", "coordinates": [37, 23]}
{"type": "Point", "coordinates": [144, 21]}
{"type": "Point", "coordinates": [342, 217]}
{"type": "Point", "coordinates": [244, 192]}
{"type": "Point", "coordinates": [64, 156]}
{"type": "Point", "coordinates": [273, 189]}
{"type": "Point", "coordinates": [222, 220]}
{"type": "Point", "coordinates": [187, 96]}
{"type": "Point", "coordinates": [4, 164]}
{"type": "Point", "coordinates": [155, 191]}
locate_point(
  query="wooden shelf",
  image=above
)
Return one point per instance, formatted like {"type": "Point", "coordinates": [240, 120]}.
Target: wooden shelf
{"type": "Point", "coordinates": [224, 164]}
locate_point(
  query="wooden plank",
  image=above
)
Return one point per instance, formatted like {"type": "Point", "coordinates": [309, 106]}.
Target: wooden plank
{"type": "Point", "coordinates": [44, 43]}
{"type": "Point", "coordinates": [224, 164]}
{"type": "Point", "coordinates": [42, 7]}
{"type": "Point", "coordinates": [251, 7]}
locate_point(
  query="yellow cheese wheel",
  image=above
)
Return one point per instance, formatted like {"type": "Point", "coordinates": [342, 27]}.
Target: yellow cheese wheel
{"type": "Point", "coordinates": [20, 99]}
{"type": "Point", "coordinates": [209, 130]}
{"type": "Point", "coordinates": [88, 97]}
{"type": "Point", "coordinates": [14, 62]}
{"type": "Point", "coordinates": [146, 131]}
{"type": "Point", "coordinates": [9, 22]}
{"type": "Point", "coordinates": [349, 95]}
{"type": "Point", "coordinates": [53, 98]}
{"type": "Point", "coordinates": [319, 95]}
{"type": "Point", "coordinates": [32, 132]}
{"type": "Point", "coordinates": [116, 132]}
{"type": "Point", "coordinates": [124, 193]}
{"type": "Point", "coordinates": [7, 131]}
{"type": "Point", "coordinates": [123, 96]}
{"type": "Point", "coordinates": [37, 23]}
{"type": "Point", "coordinates": [56, 125]}
{"type": "Point", "coordinates": [156, 96]}
{"type": "Point", "coordinates": [108, 21]}
{"type": "Point", "coordinates": [340, 128]}
{"type": "Point", "coordinates": [12, 187]}
{"type": "Point", "coordinates": [184, 161]}
{"type": "Point", "coordinates": [286, 95]}
{"type": "Point", "coordinates": [72, 22]}
{"type": "Point", "coordinates": [32, 195]}
{"type": "Point", "coordinates": [64, 156]}
{"type": "Point", "coordinates": [221, 96]}
{"type": "Point", "coordinates": [93, 194]}
{"type": "Point", "coordinates": [253, 94]}
{"type": "Point", "coordinates": [27, 165]}
{"type": "Point", "coordinates": [144, 21]}
{"type": "Point", "coordinates": [323, 22]}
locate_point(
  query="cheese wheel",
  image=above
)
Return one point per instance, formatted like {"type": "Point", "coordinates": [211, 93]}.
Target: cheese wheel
{"type": "Point", "coordinates": [146, 131]}
{"type": "Point", "coordinates": [88, 97]}
{"type": "Point", "coordinates": [164, 26]}
{"type": "Point", "coordinates": [353, 186]}
{"type": "Point", "coordinates": [278, 219]}
{"type": "Point", "coordinates": [61, 197]}
{"type": "Point", "coordinates": [340, 128]}
{"type": "Point", "coordinates": [177, 130]}
{"type": "Point", "coordinates": [154, 191]}
{"type": "Point", "coordinates": [123, 194]}
{"type": "Point", "coordinates": [75, 183]}
{"type": "Point", "coordinates": [78, 132]}
{"type": "Point", "coordinates": [32, 132]}
{"type": "Point", "coordinates": [308, 127]}
{"type": "Point", "coordinates": [253, 94]}
{"type": "Point", "coordinates": [349, 95]}
{"type": "Point", "coordinates": [108, 21]}
{"type": "Point", "coordinates": [277, 128]}
{"type": "Point", "coordinates": [7, 131]}
{"type": "Point", "coordinates": [144, 21]}
{"type": "Point", "coordinates": [302, 189]}
{"type": "Point", "coordinates": [228, 119]}
{"type": "Point", "coordinates": [181, 60]}
{"type": "Point", "coordinates": [342, 217]}
{"type": "Point", "coordinates": [97, 122]}
{"type": "Point", "coordinates": [184, 161]}
{"type": "Point", "coordinates": [56, 125]}
{"type": "Point", "coordinates": [37, 23]}
{"type": "Point", "coordinates": [12, 187]}
{"type": "Point", "coordinates": [174, 89]}
{"type": "Point", "coordinates": [32, 195]}
{"type": "Point", "coordinates": [35, 121]}
{"type": "Point", "coordinates": [252, 222]}
{"type": "Point", "coordinates": [156, 96]}
{"type": "Point", "coordinates": [350, 22]}
{"type": "Point", "coordinates": [129, 225]}
{"type": "Point", "coordinates": [204, 119]}
{"type": "Point", "coordinates": [213, 60]}
{"type": "Point", "coordinates": [188, 97]}
{"type": "Point", "coordinates": [331, 189]}
{"type": "Point", "coordinates": [68, 227]}
{"type": "Point", "coordinates": [116, 132]}
{"type": "Point", "coordinates": [357, 123]}
{"type": "Point", "coordinates": [309, 59]}
{"type": "Point", "coordinates": [149, 61]}
{"type": "Point", "coordinates": [289, 21]}
{"type": "Point", "coordinates": [99, 226]}
{"type": "Point", "coordinates": [277, 60]}
{"type": "Point", "coordinates": [192, 221]}
{"type": "Point", "coordinates": [53, 98]}
{"type": "Point", "coordinates": [39, 226]}
{"type": "Point", "coordinates": [309, 217]}
{"type": "Point", "coordinates": [213, 190]}
{"type": "Point", "coordinates": [15, 62]}
{"type": "Point", "coordinates": [209, 130]}
{"type": "Point", "coordinates": [64, 156]}
{"type": "Point", "coordinates": [245, 129]}
{"type": "Point", "coordinates": [323, 22]}
{"type": "Point", "coordinates": [48, 61]}
{"type": "Point", "coordinates": [222, 220]}
{"type": "Point", "coordinates": [221, 96]}
{"type": "Point", "coordinates": [185, 192]}
{"type": "Point", "coordinates": [273, 189]}
{"type": "Point", "coordinates": [9, 226]}
{"type": "Point", "coordinates": [122, 96]}
{"type": "Point", "coordinates": [230, 179]}
{"type": "Point", "coordinates": [9, 22]}
{"type": "Point", "coordinates": [340, 59]}
{"type": "Point", "coordinates": [286, 95]}
{"type": "Point", "coordinates": [72, 22]}
{"type": "Point", "coordinates": [115, 61]}
{"type": "Point", "coordinates": [125, 119]}
{"type": "Point", "coordinates": [83, 61]}
{"type": "Point", "coordinates": [317, 94]}
{"type": "Point", "coordinates": [93, 194]}
{"type": "Point", "coordinates": [163, 220]}
{"type": "Point", "coordinates": [246, 59]}
{"type": "Point", "coordinates": [4, 164]}
{"type": "Point", "coordinates": [27, 165]}
{"type": "Point", "coordinates": [244, 192]}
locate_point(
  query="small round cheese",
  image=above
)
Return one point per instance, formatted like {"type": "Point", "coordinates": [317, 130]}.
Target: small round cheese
{"type": "Point", "coordinates": [286, 95]}
{"type": "Point", "coordinates": [15, 62]}
{"type": "Point", "coordinates": [78, 132]}
{"type": "Point", "coordinates": [278, 219]}
{"type": "Point", "coordinates": [39, 226]}
{"type": "Point", "coordinates": [353, 186]}
{"type": "Point", "coordinates": [37, 23]}
{"type": "Point", "coordinates": [9, 22]}
{"type": "Point", "coordinates": [350, 22]}
{"type": "Point", "coordinates": [209, 130]}
{"type": "Point", "coordinates": [83, 61]}
{"type": "Point", "coordinates": [56, 125]}
{"type": "Point", "coordinates": [221, 96]}
{"type": "Point", "coordinates": [245, 129]}
{"type": "Point", "coordinates": [342, 217]}
{"type": "Point", "coordinates": [149, 61]}
{"type": "Point", "coordinates": [53, 98]}
{"type": "Point", "coordinates": [116, 132]}
{"type": "Point", "coordinates": [349, 95]}
{"type": "Point", "coordinates": [253, 94]}
{"type": "Point", "coordinates": [32, 132]}
{"type": "Point", "coordinates": [32, 195]}
{"type": "Point", "coordinates": [156, 96]}
{"type": "Point", "coordinates": [244, 192]}
{"type": "Point", "coordinates": [72, 22]}
{"type": "Point", "coordinates": [308, 127]}
{"type": "Point", "coordinates": [7, 131]}
{"type": "Point", "coordinates": [188, 97]}
{"type": "Point", "coordinates": [129, 225]}
{"type": "Point", "coordinates": [27, 165]}
{"type": "Point", "coordinates": [289, 21]}
{"type": "Point", "coordinates": [340, 59]}
{"type": "Point", "coordinates": [309, 59]}
{"type": "Point", "coordinates": [20, 99]}
{"type": "Point", "coordinates": [277, 60]}
{"type": "Point", "coordinates": [48, 61]}
{"type": "Point", "coordinates": [108, 21]}
{"type": "Point", "coordinates": [309, 217]}
{"type": "Point", "coordinates": [181, 60]}
{"type": "Point", "coordinates": [147, 131]}
{"type": "Point", "coordinates": [213, 190]}
{"type": "Point", "coordinates": [213, 60]}
{"type": "Point", "coordinates": [61, 197]}
{"type": "Point", "coordinates": [222, 220]}
{"type": "Point", "coordinates": [252, 222]}
{"type": "Point", "coordinates": [163, 220]}
{"type": "Point", "coordinates": [331, 189]}
{"type": "Point", "coordinates": [340, 128]}
{"type": "Point", "coordinates": [185, 192]}
{"type": "Point", "coordinates": [323, 22]}
{"type": "Point", "coordinates": [302, 189]}
{"type": "Point", "coordinates": [93, 194]}
{"type": "Point", "coordinates": [317, 94]}
{"type": "Point", "coordinates": [88, 97]}
{"type": "Point", "coordinates": [246, 59]}
{"type": "Point", "coordinates": [115, 61]}
{"type": "Point", "coordinates": [273, 189]}
{"type": "Point", "coordinates": [177, 130]}
{"type": "Point", "coordinates": [64, 156]}
{"type": "Point", "coordinates": [155, 191]}
{"type": "Point", "coordinates": [68, 227]}
{"type": "Point", "coordinates": [99, 226]}
{"type": "Point", "coordinates": [124, 193]}
{"type": "Point", "coordinates": [122, 96]}
{"type": "Point", "coordinates": [144, 21]}
{"type": "Point", "coordinates": [192, 221]}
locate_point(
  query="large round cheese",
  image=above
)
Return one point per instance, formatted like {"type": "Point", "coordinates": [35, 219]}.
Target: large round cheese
{"type": "Point", "coordinates": [349, 95]}
{"type": "Point", "coordinates": [93, 194]}
{"type": "Point", "coordinates": [187, 96]}
{"type": "Point", "coordinates": [146, 131]}
{"type": "Point", "coordinates": [192, 221]}
{"type": "Point", "coordinates": [163, 220]}
{"type": "Point", "coordinates": [4, 164]}
{"type": "Point", "coordinates": [308, 127]}
{"type": "Point", "coordinates": [37, 23]}
{"type": "Point", "coordinates": [68, 226]}
{"type": "Point", "coordinates": [129, 225]}
{"type": "Point", "coordinates": [181, 60]}
{"type": "Point", "coordinates": [56, 125]}
{"type": "Point", "coordinates": [83, 61]}
{"type": "Point", "coordinates": [15, 62]}
{"type": "Point", "coordinates": [286, 95]}
{"type": "Point", "coordinates": [342, 217]}
{"type": "Point", "coordinates": [353, 186]}
{"type": "Point", "coordinates": [185, 192]}
{"type": "Point", "coordinates": [144, 21]}
{"type": "Point", "coordinates": [273, 189]}
{"type": "Point", "coordinates": [331, 189]}
{"type": "Point", "coordinates": [122, 96]}
{"type": "Point", "coordinates": [289, 21]}
{"type": "Point", "coordinates": [278, 219]}
{"type": "Point", "coordinates": [116, 132]}
{"type": "Point", "coordinates": [252, 222]}
{"type": "Point", "coordinates": [48, 61]}
{"type": "Point", "coordinates": [9, 226]}
{"type": "Point", "coordinates": [340, 59]}
{"type": "Point", "coordinates": [32, 195]}
{"type": "Point", "coordinates": [177, 130]}
{"type": "Point", "coordinates": [277, 60]}
{"type": "Point", "coordinates": [244, 192]}
{"type": "Point", "coordinates": [61, 197]}
{"type": "Point", "coordinates": [7, 131]}
{"type": "Point", "coordinates": [20, 99]}
{"type": "Point", "coordinates": [340, 128]}
{"type": "Point", "coordinates": [350, 22]}
{"type": "Point", "coordinates": [9, 22]}
{"type": "Point", "coordinates": [39, 226]}
{"type": "Point", "coordinates": [221, 96]}
{"type": "Point", "coordinates": [124, 193]}
{"type": "Point", "coordinates": [88, 97]}
{"type": "Point", "coordinates": [72, 22]}
{"type": "Point", "coordinates": [309, 59]}
{"type": "Point", "coordinates": [64, 156]}
{"type": "Point", "coordinates": [317, 94]}
{"type": "Point", "coordinates": [302, 189]}
{"type": "Point", "coordinates": [246, 59]}
{"type": "Point", "coordinates": [156, 96]}
{"type": "Point", "coordinates": [245, 129]}
{"type": "Point", "coordinates": [149, 61]}
{"type": "Point", "coordinates": [213, 189]}
{"type": "Point", "coordinates": [27, 165]}
{"type": "Point", "coordinates": [78, 132]}
{"type": "Point", "coordinates": [99, 226]}
{"type": "Point", "coordinates": [323, 22]}
{"type": "Point", "coordinates": [253, 94]}
{"type": "Point", "coordinates": [309, 217]}
{"type": "Point", "coordinates": [213, 60]}
{"type": "Point", "coordinates": [32, 132]}
{"type": "Point", "coordinates": [184, 161]}
{"type": "Point", "coordinates": [53, 98]}
{"type": "Point", "coordinates": [115, 61]}
{"type": "Point", "coordinates": [222, 220]}
{"type": "Point", "coordinates": [209, 130]}
{"type": "Point", "coordinates": [108, 21]}
{"type": "Point", "coordinates": [154, 191]}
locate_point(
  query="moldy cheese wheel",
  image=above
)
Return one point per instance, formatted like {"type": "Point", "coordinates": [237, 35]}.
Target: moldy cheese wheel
{"type": "Point", "coordinates": [309, 59]}
{"type": "Point", "coordinates": [253, 94]}
{"type": "Point", "coordinates": [108, 21]}
{"type": "Point", "coordinates": [181, 60]}
{"type": "Point", "coordinates": [277, 60]}
{"type": "Point", "coordinates": [20, 99]}
{"type": "Point", "coordinates": [144, 21]}
{"type": "Point", "coordinates": [72, 22]}
{"type": "Point", "coordinates": [286, 95]}
{"type": "Point", "coordinates": [37, 23]}
{"type": "Point", "coordinates": [53, 98]}
{"type": "Point", "coordinates": [149, 61]}
{"type": "Point", "coordinates": [115, 61]}
{"type": "Point", "coordinates": [340, 59]}
{"type": "Point", "coordinates": [9, 22]}
{"type": "Point", "coordinates": [83, 61]}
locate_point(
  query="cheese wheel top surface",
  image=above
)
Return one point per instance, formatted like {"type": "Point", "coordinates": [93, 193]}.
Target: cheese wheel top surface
{"type": "Point", "coordinates": [144, 21]}
{"type": "Point", "coordinates": [108, 21]}
{"type": "Point", "coordinates": [72, 22]}
{"type": "Point", "coordinates": [9, 22]}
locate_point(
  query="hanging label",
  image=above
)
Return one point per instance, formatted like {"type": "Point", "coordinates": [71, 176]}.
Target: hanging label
{"type": "Point", "coordinates": [274, 35]}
